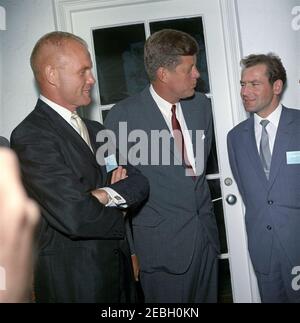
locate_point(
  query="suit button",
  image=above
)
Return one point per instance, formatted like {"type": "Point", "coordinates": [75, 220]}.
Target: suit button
{"type": "Point", "coordinates": [269, 227]}
{"type": "Point", "coordinates": [116, 251]}
{"type": "Point", "coordinates": [270, 202]}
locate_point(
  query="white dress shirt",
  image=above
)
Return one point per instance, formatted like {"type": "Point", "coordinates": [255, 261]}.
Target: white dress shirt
{"type": "Point", "coordinates": [115, 198]}
{"type": "Point", "coordinates": [271, 127]}
{"type": "Point", "coordinates": [165, 109]}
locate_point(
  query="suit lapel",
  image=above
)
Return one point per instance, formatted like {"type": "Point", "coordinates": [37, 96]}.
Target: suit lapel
{"type": "Point", "coordinates": [282, 140]}
{"type": "Point", "coordinates": [251, 148]}
{"type": "Point", "coordinates": [67, 132]}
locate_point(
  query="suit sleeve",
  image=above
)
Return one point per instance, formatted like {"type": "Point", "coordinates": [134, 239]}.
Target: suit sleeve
{"type": "Point", "coordinates": [65, 202]}
{"type": "Point", "coordinates": [114, 117]}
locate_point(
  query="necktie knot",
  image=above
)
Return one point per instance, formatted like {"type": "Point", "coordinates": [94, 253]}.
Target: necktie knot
{"type": "Point", "coordinates": [173, 109]}
{"type": "Point", "coordinates": [264, 123]}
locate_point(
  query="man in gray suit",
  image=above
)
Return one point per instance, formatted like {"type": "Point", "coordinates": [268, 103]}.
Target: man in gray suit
{"type": "Point", "coordinates": [264, 153]}
{"type": "Point", "coordinates": [175, 233]}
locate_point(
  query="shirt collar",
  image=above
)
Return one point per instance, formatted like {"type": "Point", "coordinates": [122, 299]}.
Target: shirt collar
{"type": "Point", "coordinates": [164, 105]}
{"type": "Point", "coordinates": [274, 117]}
{"type": "Point", "coordinates": [63, 112]}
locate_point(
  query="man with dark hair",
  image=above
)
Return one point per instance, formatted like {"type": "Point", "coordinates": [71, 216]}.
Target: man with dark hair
{"type": "Point", "coordinates": [264, 154]}
{"type": "Point", "coordinates": [175, 233]}
{"type": "Point", "coordinates": [82, 256]}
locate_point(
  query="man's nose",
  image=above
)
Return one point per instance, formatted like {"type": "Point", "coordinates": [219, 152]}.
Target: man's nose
{"type": "Point", "coordinates": [196, 73]}
{"type": "Point", "coordinates": [91, 79]}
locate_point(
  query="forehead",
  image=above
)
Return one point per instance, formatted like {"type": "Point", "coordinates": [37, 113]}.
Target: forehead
{"type": "Point", "coordinates": [255, 72]}
{"type": "Point", "coordinates": [75, 52]}
{"type": "Point", "coordinates": [187, 60]}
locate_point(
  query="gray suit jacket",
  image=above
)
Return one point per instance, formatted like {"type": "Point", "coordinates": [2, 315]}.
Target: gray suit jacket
{"type": "Point", "coordinates": [272, 207]}
{"type": "Point", "coordinates": [165, 228]}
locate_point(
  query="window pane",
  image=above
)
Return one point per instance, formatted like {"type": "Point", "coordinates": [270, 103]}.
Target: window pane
{"type": "Point", "coordinates": [225, 290]}
{"type": "Point", "coordinates": [212, 162]}
{"type": "Point", "coordinates": [119, 53]}
{"type": "Point", "coordinates": [215, 191]}
{"type": "Point", "coordinates": [194, 27]}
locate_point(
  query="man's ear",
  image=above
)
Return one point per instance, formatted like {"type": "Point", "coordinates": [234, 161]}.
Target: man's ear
{"type": "Point", "coordinates": [162, 74]}
{"type": "Point", "coordinates": [278, 87]}
{"type": "Point", "coordinates": [51, 74]}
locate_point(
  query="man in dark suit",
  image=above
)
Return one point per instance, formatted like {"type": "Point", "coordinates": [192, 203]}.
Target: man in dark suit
{"type": "Point", "coordinates": [82, 252]}
{"type": "Point", "coordinates": [175, 233]}
{"type": "Point", "coordinates": [264, 153]}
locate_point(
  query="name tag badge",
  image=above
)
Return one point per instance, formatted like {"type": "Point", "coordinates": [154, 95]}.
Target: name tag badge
{"type": "Point", "coordinates": [293, 157]}
{"type": "Point", "coordinates": [110, 163]}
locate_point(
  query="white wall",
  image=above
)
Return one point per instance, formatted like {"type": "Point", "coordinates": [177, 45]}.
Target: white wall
{"type": "Point", "coordinates": [26, 21]}
{"type": "Point", "coordinates": [266, 26]}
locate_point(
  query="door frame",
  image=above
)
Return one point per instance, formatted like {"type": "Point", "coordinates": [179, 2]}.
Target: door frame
{"type": "Point", "coordinates": [65, 12]}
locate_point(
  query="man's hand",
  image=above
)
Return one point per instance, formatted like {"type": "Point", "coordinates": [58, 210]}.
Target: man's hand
{"type": "Point", "coordinates": [118, 174]}
{"type": "Point", "coordinates": [136, 267]}
{"type": "Point", "coordinates": [101, 195]}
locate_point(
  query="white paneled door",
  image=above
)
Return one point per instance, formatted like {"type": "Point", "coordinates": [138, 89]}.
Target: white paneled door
{"type": "Point", "coordinates": [115, 31]}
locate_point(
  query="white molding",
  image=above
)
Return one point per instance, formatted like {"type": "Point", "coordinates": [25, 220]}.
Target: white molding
{"type": "Point", "coordinates": [2, 18]}
{"type": "Point", "coordinates": [233, 56]}
{"type": "Point", "coordinates": [65, 8]}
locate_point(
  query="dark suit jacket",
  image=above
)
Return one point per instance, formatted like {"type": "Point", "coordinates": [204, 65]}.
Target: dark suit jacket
{"type": "Point", "coordinates": [79, 255]}
{"type": "Point", "coordinates": [272, 207]}
{"type": "Point", "coordinates": [165, 228]}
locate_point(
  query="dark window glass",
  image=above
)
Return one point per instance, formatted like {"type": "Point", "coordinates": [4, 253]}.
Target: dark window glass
{"type": "Point", "coordinates": [224, 287]}
{"type": "Point", "coordinates": [215, 191]}
{"type": "Point", "coordinates": [119, 53]}
{"type": "Point", "coordinates": [212, 162]}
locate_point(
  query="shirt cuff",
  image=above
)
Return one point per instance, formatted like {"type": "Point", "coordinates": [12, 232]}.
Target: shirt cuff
{"type": "Point", "coordinates": [116, 200]}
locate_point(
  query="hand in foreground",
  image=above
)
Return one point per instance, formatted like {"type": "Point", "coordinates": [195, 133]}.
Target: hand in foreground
{"type": "Point", "coordinates": [18, 218]}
